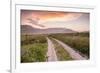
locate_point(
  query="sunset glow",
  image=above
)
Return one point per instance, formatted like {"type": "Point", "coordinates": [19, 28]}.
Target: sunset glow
{"type": "Point", "coordinates": [50, 19]}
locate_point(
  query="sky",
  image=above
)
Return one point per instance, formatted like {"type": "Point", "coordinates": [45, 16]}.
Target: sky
{"type": "Point", "coordinates": [76, 21]}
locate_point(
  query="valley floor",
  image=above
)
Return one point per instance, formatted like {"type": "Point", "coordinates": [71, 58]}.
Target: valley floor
{"type": "Point", "coordinates": [48, 48]}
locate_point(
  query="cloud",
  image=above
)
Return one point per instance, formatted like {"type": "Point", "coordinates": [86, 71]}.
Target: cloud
{"type": "Point", "coordinates": [45, 16]}
{"type": "Point", "coordinates": [39, 19]}
{"type": "Point", "coordinates": [60, 17]}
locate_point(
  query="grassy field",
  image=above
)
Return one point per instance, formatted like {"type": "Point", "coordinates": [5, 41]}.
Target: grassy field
{"type": "Point", "coordinates": [33, 48]}
{"type": "Point", "coordinates": [62, 54]}
{"type": "Point", "coordinates": [78, 41]}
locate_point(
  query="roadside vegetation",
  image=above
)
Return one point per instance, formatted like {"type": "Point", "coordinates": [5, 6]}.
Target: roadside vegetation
{"type": "Point", "coordinates": [33, 48]}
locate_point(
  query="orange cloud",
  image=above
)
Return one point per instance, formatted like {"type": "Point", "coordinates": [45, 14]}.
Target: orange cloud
{"type": "Point", "coordinates": [50, 15]}
{"type": "Point", "coordinates": [44, 16]}
{"type": "Point", "coordinates": [58, 16]}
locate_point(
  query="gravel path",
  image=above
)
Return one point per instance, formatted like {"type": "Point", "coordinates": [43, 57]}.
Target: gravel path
{"type": "Point", "coordinates": [51, 54]}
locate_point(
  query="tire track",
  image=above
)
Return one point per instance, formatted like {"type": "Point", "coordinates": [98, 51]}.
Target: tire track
{"type": "Point", "coordinates": [51, 54]}
{"type": "Point", "coordinates": [74, 54]}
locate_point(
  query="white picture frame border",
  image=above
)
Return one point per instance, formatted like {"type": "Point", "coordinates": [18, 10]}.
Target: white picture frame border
{"type": "Point", "coordinates": [15, 30]}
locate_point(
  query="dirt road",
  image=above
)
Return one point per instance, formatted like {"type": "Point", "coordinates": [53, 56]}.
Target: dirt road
{"type": "Point", "coordinates": [51, 54]}
{"type": "Point", "coordinates": [74, 54]}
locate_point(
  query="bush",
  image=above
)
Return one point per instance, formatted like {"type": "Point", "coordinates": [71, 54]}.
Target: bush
{"type": "Point", "coordinates": [36, 53]}
{"type": "Point", "coordinates": [33, 48]}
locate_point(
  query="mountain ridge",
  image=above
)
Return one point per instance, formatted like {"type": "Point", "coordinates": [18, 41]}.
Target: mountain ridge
{"type": "Point", "coordinates": [27, 29]}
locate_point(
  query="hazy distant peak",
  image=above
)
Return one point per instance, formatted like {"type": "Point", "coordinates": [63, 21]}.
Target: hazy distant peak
{"type": "Point", "coordinates": [31, 30]}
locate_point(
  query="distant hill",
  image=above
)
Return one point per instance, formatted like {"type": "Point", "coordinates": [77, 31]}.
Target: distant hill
{"type": "Point", "coordinates": [27, 29]}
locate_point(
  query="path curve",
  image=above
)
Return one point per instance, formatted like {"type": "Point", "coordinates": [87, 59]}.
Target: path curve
{"type": "Point", "coordinates": [74, 54]}
{"type": "Point", "coordinates": [51, 54]}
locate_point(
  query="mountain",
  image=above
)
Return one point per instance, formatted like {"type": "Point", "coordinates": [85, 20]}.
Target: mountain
{"type": "Point", "coordinates": [27, 29]}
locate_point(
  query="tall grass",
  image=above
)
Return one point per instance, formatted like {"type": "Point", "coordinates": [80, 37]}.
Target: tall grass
{"type": "Point", "coordinates": [31, 39]}
{"type": "Point", "coordinates": [33, 48]}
